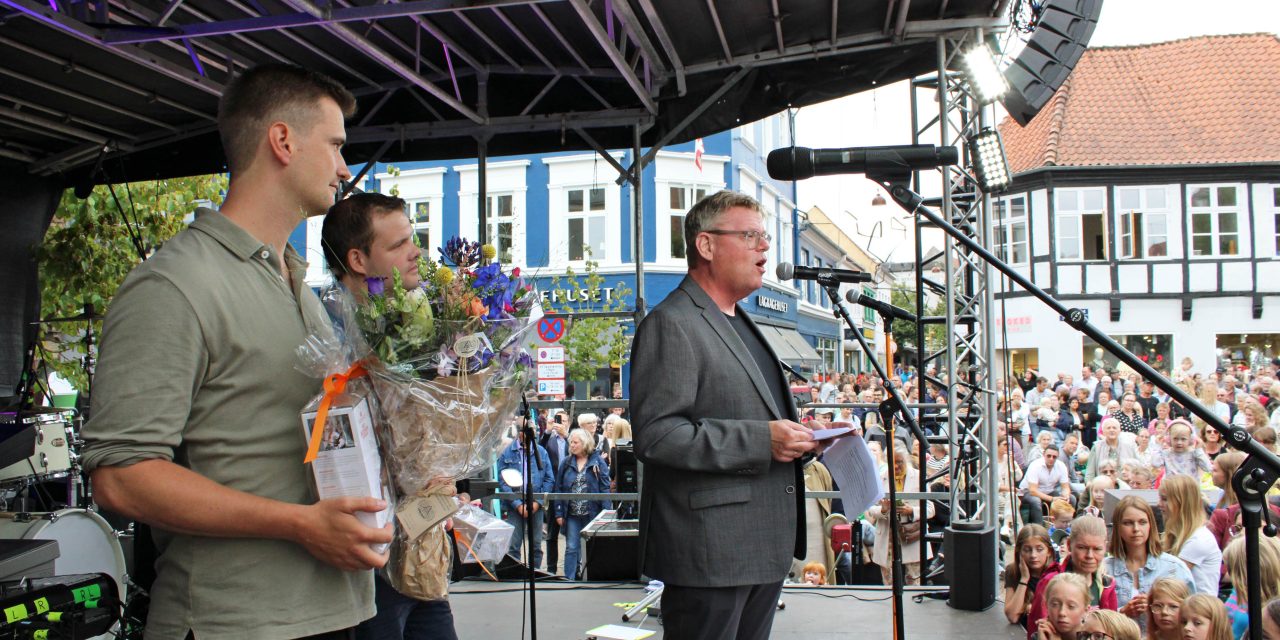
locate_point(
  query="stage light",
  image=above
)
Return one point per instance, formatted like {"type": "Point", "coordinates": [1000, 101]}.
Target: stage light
{"type": "Point", "coordinates": [877, 200]}
{"type": "Point", "coordinates": [985, 80]}
{"type": "Point", "coordinates": [989, 162]}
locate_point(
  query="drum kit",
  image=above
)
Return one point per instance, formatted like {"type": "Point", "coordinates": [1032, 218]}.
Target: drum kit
{"type": "Point", "coordinates": [44, 494]}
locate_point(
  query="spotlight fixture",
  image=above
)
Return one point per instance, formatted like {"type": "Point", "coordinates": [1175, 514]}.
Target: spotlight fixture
{"type": "Point", "coordinates": [986, 82]}
{"type": "Point", "coordinates": [877, 200]}
{"type": "Point", "coordinates": [989, 162]}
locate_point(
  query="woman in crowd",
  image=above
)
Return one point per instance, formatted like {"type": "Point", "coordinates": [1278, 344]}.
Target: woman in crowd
{"type": "Point", "coordinates": [1185, 534]}
{"type": "Point", "coordinates": [1033, 557]}
{"type": "Point", "coordinates": [1088, 546]}
{"type": "Point", "coordinates": [1043, 440]}
{"type": "Point", "coordinates": [1136, 559]}
{"type": "Point", "coordinates": [1210, 439]}
{"type": "Point", "coordinates": [1110, 447]}
{"type": "Point", "coordinates": [1072, 416]}
{"type": "Point", "coordinates": [1266, 436]}
{"type": "Point", "coordinates": [582, 471]}
{"type": "Point", "coordinates": [1205, 618]}
{"type": "Point", "coordinates": [1164, 605]}
{"type": "Point", "coordinates": [1142, 442]}
{"type": "Point", "coordinates": [1101, 624]}
{"type": "Point", "coordinates": [1251, 414]}
{"type": "Point", "coordinates": [1010, 476]}
{"type": "Point", "coordinates": [1209, 398]}
{"type": "Point", "coordinates": [1067, 602]}
{"type": "Point", "coordinates": [1238, 572]}
{"type": "Point", "coordinates": [905, 475]}
{"type": "Point", "coordinates": [1164, 414]}
{"type": "Point", "coordinates": [1130, 415]}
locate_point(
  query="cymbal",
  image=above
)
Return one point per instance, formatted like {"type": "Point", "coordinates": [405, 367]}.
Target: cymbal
{"type": "Point", "coordinates": [82, 317]}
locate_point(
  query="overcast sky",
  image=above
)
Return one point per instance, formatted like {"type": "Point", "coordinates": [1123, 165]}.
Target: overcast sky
{"type": "Point", "coordinates": [882, 116]}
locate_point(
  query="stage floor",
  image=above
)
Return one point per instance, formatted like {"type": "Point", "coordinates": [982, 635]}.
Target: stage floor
{"type": "Point", "coordinates": [566, 611]}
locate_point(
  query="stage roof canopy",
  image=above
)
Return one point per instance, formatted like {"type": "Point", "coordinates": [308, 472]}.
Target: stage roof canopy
{"type": "Point", "coordinates": [141, 78]}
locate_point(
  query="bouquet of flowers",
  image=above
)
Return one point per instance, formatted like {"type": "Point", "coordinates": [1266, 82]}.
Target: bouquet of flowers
{"type": "Point", "coordinates": [447, 361]}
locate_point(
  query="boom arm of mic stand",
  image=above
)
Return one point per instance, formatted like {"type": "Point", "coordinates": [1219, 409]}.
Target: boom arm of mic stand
{"type": "Point", "coordinates": [1262, 466]}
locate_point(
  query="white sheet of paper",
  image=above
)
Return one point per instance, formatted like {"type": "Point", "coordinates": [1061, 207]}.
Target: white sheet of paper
{"type": "Point", "coordinates": [823, 434]}
{"type": "Point", "coordinates": [854, 470]}
{"type": "Point", "coordinates": [619, 632]}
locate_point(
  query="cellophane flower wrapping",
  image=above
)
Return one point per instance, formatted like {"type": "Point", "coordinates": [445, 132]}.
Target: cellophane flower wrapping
{"type": "Point", "coordinates": [448, 361]}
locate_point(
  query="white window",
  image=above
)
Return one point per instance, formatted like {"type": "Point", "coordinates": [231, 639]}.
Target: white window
{"type": "Point", "coordinates": [1144, 216]}
{"type": "Point", "coordinates": [769, 208]}
{"type": "Point", "coordinates": [585, 224]}
{"type": "Point", "coordinates": [786, 233]}
{"type": "Point", "coordinates": [680, 198]}
{"type": "Point", "coordinates": [1215, 220]}
{"type": "Point", "coordinates": [1082, 224]}
{"type": "Point", "coordinates": [420, 216]}
{"type": "Point", "coordinates": [1010, 226]}
{"type": "Point", "coordinates": [1275, 204]}
{"type": "Point", "coordinates": [499, 220]}
{"type": "Point", "coordinates": [806, 286]}
{"type": "Point", "coordinates": [748, 133]}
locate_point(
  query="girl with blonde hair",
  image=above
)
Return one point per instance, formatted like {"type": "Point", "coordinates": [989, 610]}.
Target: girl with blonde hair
{"type": "Point", "coordinates": [1102, 625]}
{"type": "Point", "coordinates": [1185, 534]}
{"type": "Point", "coordinates": [1204, 618]}
{"type": "Point", "coordinates": [1166, 596]}
{"type": "Point", "coordinates": [1237, 570]}
{"type": "Point", "coordinates": [1087, 546]}
{"type": "Point", "coordinates": [1067, 596]}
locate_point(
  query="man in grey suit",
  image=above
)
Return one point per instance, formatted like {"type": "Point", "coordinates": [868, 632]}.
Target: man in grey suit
{"type": "Point", "coordinates": [716, 429]}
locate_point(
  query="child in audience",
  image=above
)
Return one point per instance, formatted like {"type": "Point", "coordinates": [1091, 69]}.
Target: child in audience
{"type": "Point", "coordinates": [1237, 571]}
{"type": "Point", "coordinates": [1067, 600]}
{"type": "Point", "coordinates": [1204, 618]}
{"type": "Point", "coordinates": [1271, 619]}
{"type": "Point", "coordinates": [1164, 602]}
{"type": "Point", "coordinates": [1060, 513]}
{"type": "Point", "coordinates": [1088, 545]}
{"type": "Point", "coordinates": [815, 574]}
{"type": "Point", "coordinates": [1095, 496]}
{"type": "Point", "coordinates": [1104, 625]}
{"type": "Point", "coordinates": [1033, 558]}
{"type": "Point", "coordinates": [1185, 455]}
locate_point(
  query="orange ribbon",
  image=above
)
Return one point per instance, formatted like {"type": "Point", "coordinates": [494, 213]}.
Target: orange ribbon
{"type": "Point", "coordinates": [334, 385]}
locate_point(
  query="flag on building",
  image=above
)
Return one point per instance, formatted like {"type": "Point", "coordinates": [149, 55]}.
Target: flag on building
{"type": "Point", "coordinates": [698, 149]}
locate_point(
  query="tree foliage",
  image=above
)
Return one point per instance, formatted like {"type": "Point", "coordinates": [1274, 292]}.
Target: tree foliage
{"type": "Point", "coordinates": [904, 332]}
{"type": "Point", "coordinates": [93, 243]}
{"type": "Point", "coordinates": [590, 344]}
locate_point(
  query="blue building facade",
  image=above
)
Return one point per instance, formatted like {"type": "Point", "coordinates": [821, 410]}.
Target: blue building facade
{"type": "Point", "coordinates": [548, 213]}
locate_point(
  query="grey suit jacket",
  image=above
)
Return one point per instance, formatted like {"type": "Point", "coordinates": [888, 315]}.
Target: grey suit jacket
{"type": "Point", "coordinates": [715, 508]}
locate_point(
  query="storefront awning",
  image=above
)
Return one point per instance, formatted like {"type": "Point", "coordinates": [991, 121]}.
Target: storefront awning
{"type": "Point", "coordinates": [790, 346]}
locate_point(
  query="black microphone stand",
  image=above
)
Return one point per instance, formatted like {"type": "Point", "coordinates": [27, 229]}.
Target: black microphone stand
{"type": "Point", "coordinates": [531, 460]}
{"type": "Point", "coordinates": [1256, 474]}
{"type": "Point", "coordinates": [892, 404]}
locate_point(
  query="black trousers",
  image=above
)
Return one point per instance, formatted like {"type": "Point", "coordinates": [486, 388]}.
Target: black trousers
{"type": "Point", "coordinates": [553, 545]}
{"type": "Point", "coordinates": [344, 634]}
{"type": "Point", "coordinates": [719, 613]}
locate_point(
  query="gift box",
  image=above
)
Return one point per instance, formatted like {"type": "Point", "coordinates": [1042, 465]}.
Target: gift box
{"type": "Point", "coordinates": [348, 463]}
{"type": "Point", "coordinates": [481, 536]}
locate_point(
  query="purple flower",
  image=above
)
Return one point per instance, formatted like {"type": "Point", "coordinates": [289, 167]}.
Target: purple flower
{"type": "Point", "coordinates": [376, 286]}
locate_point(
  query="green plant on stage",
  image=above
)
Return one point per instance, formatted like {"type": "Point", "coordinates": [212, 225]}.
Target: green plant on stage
{"type": "Point", "coordinates": [590, 344]}
{"type": "Point", "coordinates": [90, 248]}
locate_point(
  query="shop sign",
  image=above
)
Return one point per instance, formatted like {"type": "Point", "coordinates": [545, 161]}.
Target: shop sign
{"type": "Point", "coordinates": [769, 303]}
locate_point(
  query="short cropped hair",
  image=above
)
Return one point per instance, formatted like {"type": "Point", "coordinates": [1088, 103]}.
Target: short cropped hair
{"type": "Point", "coordinates": [349, 225]}
{"type": "Point", "coordinates": [268, 93]}
{"type": "Point", "coordinates": [704, 215]}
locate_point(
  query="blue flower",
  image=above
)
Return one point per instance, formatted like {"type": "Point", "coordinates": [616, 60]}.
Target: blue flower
{"type": "Point", "coordinates": [461, 253]}
{"type": "Point", "coordinates": [376, 286]}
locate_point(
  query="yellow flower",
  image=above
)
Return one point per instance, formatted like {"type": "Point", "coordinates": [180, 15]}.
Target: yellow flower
{"type": "Point", "coordinates": [443, 276]}
{"type": "Point", "coordinates": [488, 252]}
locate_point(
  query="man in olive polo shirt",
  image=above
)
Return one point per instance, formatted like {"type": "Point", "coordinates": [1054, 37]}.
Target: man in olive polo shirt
{"type": "Point", "coordinates": [195, 426]}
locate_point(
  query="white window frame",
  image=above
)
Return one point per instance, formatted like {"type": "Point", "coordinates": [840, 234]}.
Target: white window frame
{"type": "Point", "coordinates": [747, 133]}
{"type": "Point", "coordinates": [588, 213]}
{"type": "Point", "coordinates": [492, 220]}
{"type": "Point", "coordinates": [785, 240]}
{"type": "Point", "coordinates": [1215, 213]}
{"type": "Point", "coordinates": [1069, 222]}
{"type": "Point", "coordinates": [1275, 216]}
{"type": "Point", "coordinates": [690, 192]}
{"type": "Point", "coordinates": [1004, 223]}
{"type": "Point", "coordinates": [582, 172]}
{"type": "Point", "coordinates": [805, 286]}
{"type": "Point", "coordinates": [676, 169]}
{"type": "Point", "coordinates": [504, 178]}
{"type": "Point", "coordinates": [1134, 223]}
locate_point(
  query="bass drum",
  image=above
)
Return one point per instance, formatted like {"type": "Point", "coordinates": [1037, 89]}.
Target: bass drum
{"type": "Point", "coordinates": [86, 543]}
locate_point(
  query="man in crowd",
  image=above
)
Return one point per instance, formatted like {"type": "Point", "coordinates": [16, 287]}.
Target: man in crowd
{"type": "Point", "coordinates": [369, 236]}
{"type": "Point", "coordinates": [719, 437]}
{"type": "Point", "coordinates": [541, 476]}
{"type": "Point", "coordinates": [1044, 480]}
{"type": "Point", "coordinates": [1040, 391]}
{"type": "Point", "coordinates": [195, 426]}
{"type": "Point", "coordinates": [1087, 381]}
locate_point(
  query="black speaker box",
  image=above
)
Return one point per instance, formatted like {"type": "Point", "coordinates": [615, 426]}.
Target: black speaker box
{"type": "Point", "coordinates": [971, 567]}
{"type": "Point", "coordinates": [1059, 39]}
{"type": "Point", "coordinates": [612, 558]}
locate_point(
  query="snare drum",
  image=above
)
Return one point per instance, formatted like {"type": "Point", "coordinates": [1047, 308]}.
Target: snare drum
{"type": "Point", "coordinates": [86, 543]}
{"type": "Point", "coordinates": [52, 458]}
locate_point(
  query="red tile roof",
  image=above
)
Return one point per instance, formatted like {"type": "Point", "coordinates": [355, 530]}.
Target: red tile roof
{"type": "Point", "coordinates": [1202, 100]}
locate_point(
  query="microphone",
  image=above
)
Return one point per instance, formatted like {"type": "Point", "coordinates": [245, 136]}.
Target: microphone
{"type": "Point", "coordinates": [788, 271]}
{"type": "Point", "coordinates": [800, 163]}
{"type": "Point", "coordinates": [885, 309]}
